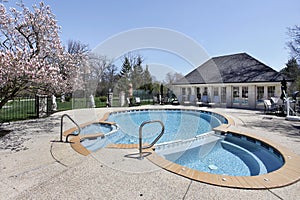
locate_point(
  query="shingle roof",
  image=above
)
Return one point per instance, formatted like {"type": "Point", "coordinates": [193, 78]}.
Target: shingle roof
{"type": "Point", "coordinates": [236, 68]}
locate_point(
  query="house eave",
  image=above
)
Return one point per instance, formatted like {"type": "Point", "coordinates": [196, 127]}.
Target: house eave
{"type": "Point", "coordinates": [228, 83]}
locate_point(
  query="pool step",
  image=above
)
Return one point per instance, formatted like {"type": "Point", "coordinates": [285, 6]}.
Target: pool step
{"type": "Point", "coordinates": [251, 159]}
{"type": "Point", "coordinates": [91, 136]}
{"type": "Point", "coordinates": [206, 141]}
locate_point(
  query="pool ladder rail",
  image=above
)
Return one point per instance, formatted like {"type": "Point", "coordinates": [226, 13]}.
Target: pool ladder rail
{"type": "Point", "coordinates": [61, 128]}
{"type": "Point", "coordinates": [141, 147]}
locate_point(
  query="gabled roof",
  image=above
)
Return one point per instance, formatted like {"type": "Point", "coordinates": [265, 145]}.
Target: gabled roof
{"type": "Point", "coordinates": [236, 68]}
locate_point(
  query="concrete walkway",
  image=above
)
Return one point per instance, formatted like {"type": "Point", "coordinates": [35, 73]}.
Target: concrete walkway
{"type": "Point", "coordinates": [43, 168]}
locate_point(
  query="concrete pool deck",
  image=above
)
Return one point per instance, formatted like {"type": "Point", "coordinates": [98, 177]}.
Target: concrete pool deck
{"type": "Point", "coordinates": [48, 169]}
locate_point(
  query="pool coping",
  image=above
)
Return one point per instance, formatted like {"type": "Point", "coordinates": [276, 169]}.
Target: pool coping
{"type": "Point", "coordinates": [288, 174]}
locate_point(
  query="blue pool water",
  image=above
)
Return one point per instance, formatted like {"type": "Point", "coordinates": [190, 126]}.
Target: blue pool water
{"type": "Point", "coordinates": [96, 128]}
{"type": "Point", "coordinates": [227, 156]}
{"type": "Point", "coordinates": [179, 125]}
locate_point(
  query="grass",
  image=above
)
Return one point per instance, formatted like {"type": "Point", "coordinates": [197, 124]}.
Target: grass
{"type": "Point", "coordinates": [18, 109]}
{"type": "Point", "coordinates": [77, 103]}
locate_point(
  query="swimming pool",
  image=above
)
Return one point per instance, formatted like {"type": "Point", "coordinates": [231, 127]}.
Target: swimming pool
{"type": "Point", "coordinates": [263, 164]}
{"type": "Point", "coordinates": [189, 141]}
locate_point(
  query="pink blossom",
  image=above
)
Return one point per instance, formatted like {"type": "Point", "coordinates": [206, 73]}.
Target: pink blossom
{"type": "Point", "coordinates": [31, 54]}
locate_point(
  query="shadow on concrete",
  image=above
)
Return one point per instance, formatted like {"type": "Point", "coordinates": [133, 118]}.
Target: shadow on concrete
{"type": "Point", "coordinates": [276, 124]}
{"type": "Point", "coordinates": [4, 132]}
{"type": "Point", "coordinates": [137, 155]}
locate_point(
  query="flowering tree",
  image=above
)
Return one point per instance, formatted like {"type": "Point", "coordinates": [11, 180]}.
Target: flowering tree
{"type": "Point", "coordinates": [31, 55]}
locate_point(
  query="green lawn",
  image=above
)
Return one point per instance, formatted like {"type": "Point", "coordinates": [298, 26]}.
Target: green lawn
{"type": "Point", "coordinates": [77, 103]}
{"type": "Point", "coordinates": [18, 109]}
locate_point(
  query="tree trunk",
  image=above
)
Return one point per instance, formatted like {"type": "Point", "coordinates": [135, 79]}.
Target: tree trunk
{"type": "Point", "coordinates": [3, 102]}
{"type": "Point", "coordinates": [8, 97]}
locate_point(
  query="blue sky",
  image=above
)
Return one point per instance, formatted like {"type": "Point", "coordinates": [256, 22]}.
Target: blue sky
{"type": "Point", "coordinates": [220, 27]}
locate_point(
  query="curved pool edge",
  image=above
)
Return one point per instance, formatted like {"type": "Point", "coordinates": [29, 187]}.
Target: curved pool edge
{"type": "Point", "coordinates": [288, 174]}
{"type": "Point", "coordinates": [228, 118]}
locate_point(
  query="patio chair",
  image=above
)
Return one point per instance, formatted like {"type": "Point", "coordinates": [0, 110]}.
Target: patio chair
{"type": "Point", "coordinates": [269, 107]}
{"type": "Point", "coordinates": [175, 101]}
{"type": "Point", "coordinates": [128, 102]}
{"type": "Point", "coordinates": [134, 102]}
{"type": "Point", "coordinates": [137, 101]}
{"type": "Point", "coordinates": [155, 100]}
{"type": "Point", "coordinates": [204, 102]}
{"type": "Point", "coordinates": [190, 100]}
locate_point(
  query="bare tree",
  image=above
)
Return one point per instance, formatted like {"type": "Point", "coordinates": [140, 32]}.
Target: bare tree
{"type": "Point", "coordinates": [109, 79]}
{"type": "Point", "coordinates": [294, 44]}
{"type": "Point", "coordinates": [172, 77]}
{"type": "Point", "coordinates": [99, 67]}
{"type": "Point", "coordinates": [98, 64]}
{"type": "Point", "coordinates": [74, 47]}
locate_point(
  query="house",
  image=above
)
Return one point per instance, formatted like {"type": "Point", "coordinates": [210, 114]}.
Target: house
{"type": "Point", "coordinates": [237, 80]}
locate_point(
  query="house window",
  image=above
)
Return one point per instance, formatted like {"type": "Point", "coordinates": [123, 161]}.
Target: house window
{"type": "Point", "coordinates": [236, 95]}
{"type": "Point", "coordinates": [244, 95]}
{"type": "Point", "coordinates": [205, 97]}
{"type": "Point", "coordinates": [183, 91]}
{"type": "Point", "coordinates": [259, 95]}
{"type": "Point", "coordinates": [216, 95]}
{"type": "Point", "coordinates": [216, 91]}
{"type": "Point", "coordinates": [223, 95]}
{"type": "Point", "coordinates": [271, 91]}
{"type": "Point", "coordinates": [205, 91]}
{"type": "Point", "coordinates": [189, 91]}
{"type": "Point", "coordinates": [189, 96]}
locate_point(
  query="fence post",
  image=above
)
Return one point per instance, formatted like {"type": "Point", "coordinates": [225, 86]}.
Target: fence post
{"type": "Point", "coordinates": [42, 105]}
{"type": "Point", "coordinates": [37, 105]}
{"type": "Point", "coordinates": [49, 105]}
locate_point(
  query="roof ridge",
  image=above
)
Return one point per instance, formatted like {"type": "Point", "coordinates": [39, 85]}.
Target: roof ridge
{"type": "Point", "coordinates": [230, 55]}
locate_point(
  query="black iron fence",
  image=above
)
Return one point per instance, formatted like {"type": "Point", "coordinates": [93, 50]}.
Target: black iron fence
{"type": "Point", "coordinates": [35, 106]}
{"type": "Point", "coordinates": [145, 96]}
{"type": "Point", "coordinates": [25, 107]}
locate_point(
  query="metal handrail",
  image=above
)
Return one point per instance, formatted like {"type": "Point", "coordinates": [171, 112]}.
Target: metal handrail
{"type": "Point", "coordinates": [156, 139]}
{"type": "Point", "coordinates": [61, 128]}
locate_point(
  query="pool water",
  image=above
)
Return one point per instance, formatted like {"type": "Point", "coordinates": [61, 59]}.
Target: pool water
{"type": "Point", "coordinates": [227, 156]}
{"type": "Point", "coordinates": [179, 125]}
{"type": "Point", "coordinates": [96, 128]}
